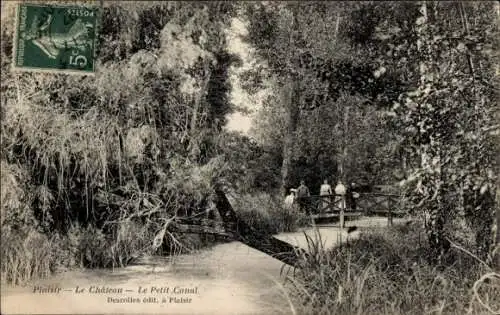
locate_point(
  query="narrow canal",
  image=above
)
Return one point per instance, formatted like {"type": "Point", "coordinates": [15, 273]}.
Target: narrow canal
{"type": "Point", "coordinates": [229, 278]}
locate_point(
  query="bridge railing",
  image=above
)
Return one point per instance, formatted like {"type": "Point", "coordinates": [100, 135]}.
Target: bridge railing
{"type": "Point", "coordinates": [320, 204]}
{"type": "Point", "coordinates": [385, 204]}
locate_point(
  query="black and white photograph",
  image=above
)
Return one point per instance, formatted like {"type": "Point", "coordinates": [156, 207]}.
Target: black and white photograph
{"type": "Point", "coordinates": [250, 157]}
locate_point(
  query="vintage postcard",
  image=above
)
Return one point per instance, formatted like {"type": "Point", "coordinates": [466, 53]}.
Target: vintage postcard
{"type": "Point", "coordinates": [54, 38]}
{"type": "Point", "coordinates": [250, 157]}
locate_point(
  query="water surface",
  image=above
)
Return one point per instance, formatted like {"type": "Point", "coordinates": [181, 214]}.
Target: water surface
{"type": "Point", "coordinates": [229, 278]}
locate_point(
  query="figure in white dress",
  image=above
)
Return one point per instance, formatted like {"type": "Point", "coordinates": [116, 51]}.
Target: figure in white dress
{"type": "Point", "coordinates": [290, 199]}
{"type": "Point", "coordinates": [325, 190]}
{"type": "Point", "coordinates": [341, 190]}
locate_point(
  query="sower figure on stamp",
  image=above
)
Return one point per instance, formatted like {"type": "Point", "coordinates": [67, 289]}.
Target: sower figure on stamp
{"type": "Point", "coordinates": [56, 38]}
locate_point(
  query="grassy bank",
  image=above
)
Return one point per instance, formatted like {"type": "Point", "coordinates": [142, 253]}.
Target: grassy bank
{"type": "Point", "coordinates": [388, 273]}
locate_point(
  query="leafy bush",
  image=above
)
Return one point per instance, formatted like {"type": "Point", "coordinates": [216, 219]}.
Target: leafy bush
{"type": "Point", "coordinates": [265, 213]}
{"type": "Point", "coordinates": [90, 247]}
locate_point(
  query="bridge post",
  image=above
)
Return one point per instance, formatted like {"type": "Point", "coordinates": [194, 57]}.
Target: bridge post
{"type": "Point", "coordinates": [389, 214]}
{"type": "Point", "coordinates": [342, 209]}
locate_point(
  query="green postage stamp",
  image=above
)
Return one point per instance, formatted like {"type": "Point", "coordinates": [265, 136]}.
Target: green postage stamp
{"type": "Point", "coordinates": [55, 38]}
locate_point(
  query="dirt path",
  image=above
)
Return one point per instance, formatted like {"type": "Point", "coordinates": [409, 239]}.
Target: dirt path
{"type": "Point", "coordinates": [230, 278]}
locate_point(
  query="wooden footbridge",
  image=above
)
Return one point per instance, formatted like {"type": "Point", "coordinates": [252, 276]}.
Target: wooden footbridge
{"type": "Point", "coordinates": [367, 204]}
{"type": "Point", "coordinates": [319, 207]}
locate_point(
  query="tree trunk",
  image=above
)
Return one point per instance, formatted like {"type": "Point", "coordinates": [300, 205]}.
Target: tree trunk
{"type": "Point", "coordinates": [293, 110]}
{"type": "Point", "coordinates": [496, 229]}
{"type": "Point", "coordinates": [292, 122]}
{"type": "Point", "coordinates": [495, 250]}
{"type": "Point", "coordinates": [429, 153]}
{"type": "Point", "coordinates": [345, 131]}
{"type": "Point", "coordinates": [194, 148]}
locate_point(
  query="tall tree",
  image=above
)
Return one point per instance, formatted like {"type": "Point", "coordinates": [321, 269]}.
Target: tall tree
{"type": "Point", "coordinates": [311, 63]}
{"type": "Point", "coordinates": [446, 118]}
{"type": "Point", "coordinates": [291, 104]}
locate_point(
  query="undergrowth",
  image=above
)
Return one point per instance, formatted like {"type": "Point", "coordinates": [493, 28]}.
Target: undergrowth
{"type": "Point", "coordinates": [101, 163]}
{"type": "Point", "coordinates": [28, 255]}
{"type": "Point", "coordinates": [267, 215]}
{"type": "Point", "coordinates": [388, 272]}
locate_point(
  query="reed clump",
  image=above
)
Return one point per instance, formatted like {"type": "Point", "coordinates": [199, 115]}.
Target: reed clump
{"type": "Point", "coordinates": [26, 252]}
{"type": "Point", "coordinates": [389, 273]}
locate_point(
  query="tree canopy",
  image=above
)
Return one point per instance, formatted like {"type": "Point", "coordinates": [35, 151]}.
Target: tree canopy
{"type": "Point", "coordinates": [398, 93]}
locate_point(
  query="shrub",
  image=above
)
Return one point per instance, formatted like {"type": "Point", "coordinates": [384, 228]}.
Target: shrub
{"type": "Point", "coordinates": [266, 214]}
{"type": "Point", "coordinates": [90, 247]}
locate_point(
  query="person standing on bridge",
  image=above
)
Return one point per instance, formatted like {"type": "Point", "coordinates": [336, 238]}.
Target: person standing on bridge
{"type": "Point", "coordinates": [341, 190]}
{"type": "Point", "coordinates": [351, 196]}
{"type": "Point", "coordinates": [325, 191]}
{"type": "Point", "coordinates": [290, 199]}
{"type": "Point", "coordinates": [302, 194]}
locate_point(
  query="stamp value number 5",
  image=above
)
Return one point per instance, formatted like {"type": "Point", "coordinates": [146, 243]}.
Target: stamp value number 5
{"type": "Point", "coordinates": [52, 38]}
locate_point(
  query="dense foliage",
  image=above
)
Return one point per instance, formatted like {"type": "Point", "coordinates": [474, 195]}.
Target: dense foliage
{"type": "Point", "coordinates": [314, 56]}
{"type": "Point", "coordinates": [379, 92]}
{"type": "Point", "coordinates": [387, 272]}
{"type": "Point", "coordinates": [125, 150]}
{"type": "Point", "coordinates": [94, 168]}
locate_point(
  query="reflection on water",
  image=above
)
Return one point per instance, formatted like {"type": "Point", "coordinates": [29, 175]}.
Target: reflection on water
{"type": "Point", "coordinates": [231, 278]}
